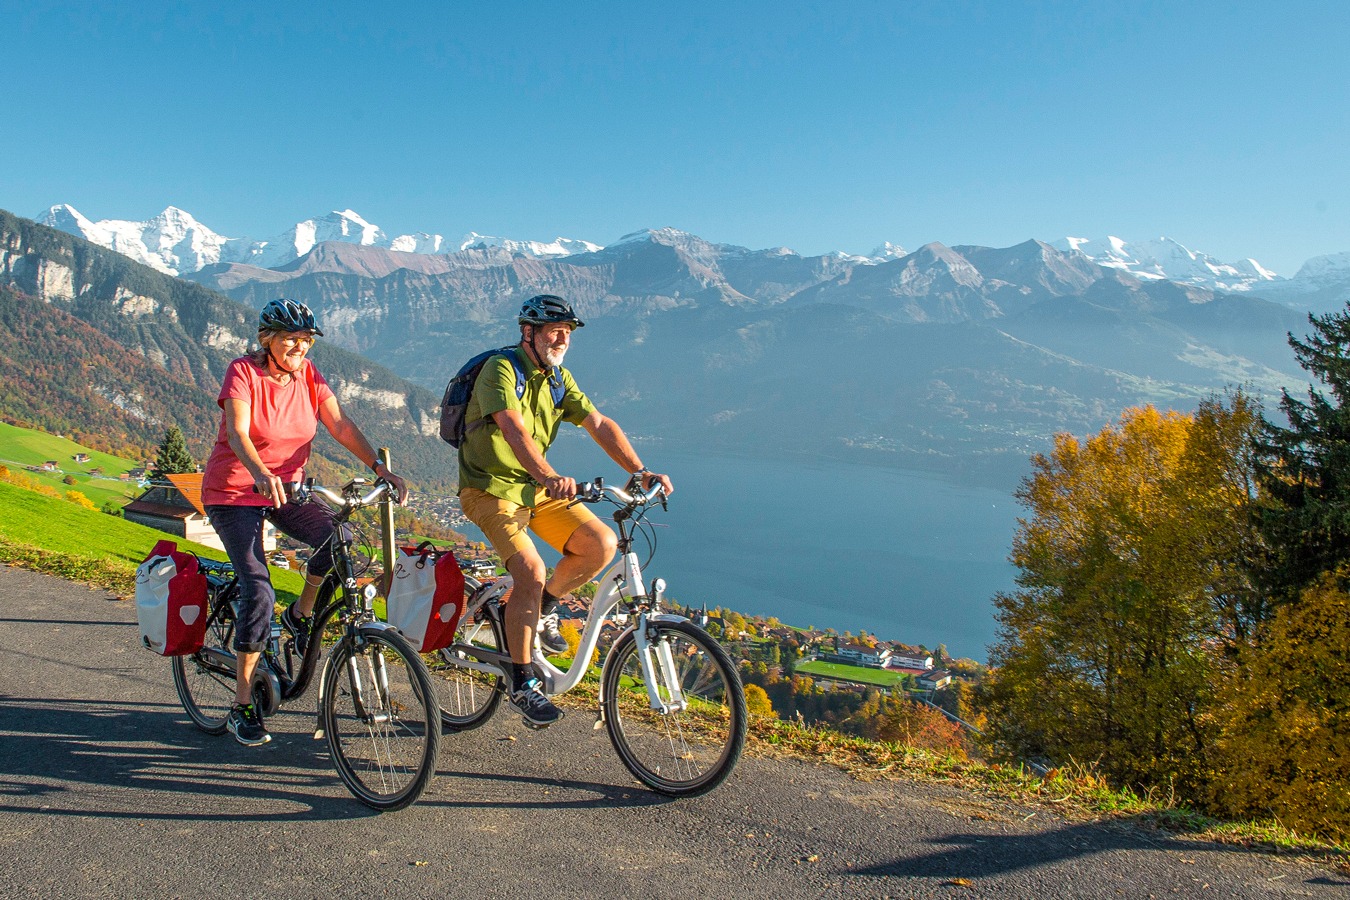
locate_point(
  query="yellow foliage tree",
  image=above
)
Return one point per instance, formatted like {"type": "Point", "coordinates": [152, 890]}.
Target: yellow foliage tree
{"type": "Point", "coordinates": [757, 701]}
{"type": "Point", "coordinates": [1129, 575]}
{"type": "Point", "coordinates": [80, 499]}
{"type": "Point", "coordinates": [568, 629]}
{"type": "Point", "coordinates": [1284, 716]}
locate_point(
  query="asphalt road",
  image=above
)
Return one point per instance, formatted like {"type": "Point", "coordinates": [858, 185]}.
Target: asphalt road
{"type": "Point", "coordinates": [106, 790]}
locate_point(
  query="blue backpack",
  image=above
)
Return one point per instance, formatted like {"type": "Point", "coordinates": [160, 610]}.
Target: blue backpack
{"type": "Point", "coordinates": [460, 389]}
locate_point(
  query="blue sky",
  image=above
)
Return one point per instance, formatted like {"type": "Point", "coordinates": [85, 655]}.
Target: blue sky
{"type": "Point", "coordinates": [818, 127]}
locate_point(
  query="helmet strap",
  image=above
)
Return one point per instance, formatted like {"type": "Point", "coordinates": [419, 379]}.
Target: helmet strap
{"type": "Point", "coordinates": [535, 355]}
{"type": "Point", "coordinates": [274, 363]}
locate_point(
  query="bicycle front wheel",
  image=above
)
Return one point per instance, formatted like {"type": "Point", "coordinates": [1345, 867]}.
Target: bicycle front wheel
{"type": "Point", "coordinates": [205, 681]}
{"type": "Point", "coordinates": [380, 718]}
{"type": "Point", "coordinates": [691, 744]}
{"type": "Point", "coordinates": [468, 692]}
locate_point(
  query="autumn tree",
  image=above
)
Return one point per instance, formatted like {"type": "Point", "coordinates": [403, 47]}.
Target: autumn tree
{"type": "Point", "coordinates": [1284, 750]}
{"type": "Point", "coordinates": [1128, 567]}
{"type": "Point", "coordinates": [757, 701]}
{"type": "Point", "coordinates": [173, 457]}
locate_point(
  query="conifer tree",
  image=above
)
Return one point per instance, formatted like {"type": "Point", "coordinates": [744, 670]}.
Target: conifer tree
{"type": "Point", "coordinates": [173, 457]}
{"type": "Point", "coordinates": [1304, 469]}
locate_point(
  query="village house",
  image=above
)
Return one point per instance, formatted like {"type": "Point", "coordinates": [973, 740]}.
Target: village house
{"type": "Point", "coordinates": [50, 465]}
{"type": "Point", "coordinates": [862, 655]}
{"type": "Point", "coordinates": [932, 680]}
{"type": "Point", "coordinates": [906, 657]}
{"type": "Point", "coordinates": [176, 508]}
{"type": "Point", "coordinates": [82, 457]}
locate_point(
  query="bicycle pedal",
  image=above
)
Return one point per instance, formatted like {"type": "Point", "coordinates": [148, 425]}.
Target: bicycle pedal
{"type": "Point", "coordinates": [532, 726]}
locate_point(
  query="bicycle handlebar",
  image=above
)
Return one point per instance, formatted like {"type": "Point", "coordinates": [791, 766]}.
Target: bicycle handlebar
{"type": "Point", "coordinates": [595, 491]}
{"type": "Point", "coordinates": [348, 497]}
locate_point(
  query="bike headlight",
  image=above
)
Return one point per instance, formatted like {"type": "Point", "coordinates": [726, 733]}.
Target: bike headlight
{"type": "Point", "coordinates": [369, 591]}
{"type": "Point", "coordinates": [658, 589]}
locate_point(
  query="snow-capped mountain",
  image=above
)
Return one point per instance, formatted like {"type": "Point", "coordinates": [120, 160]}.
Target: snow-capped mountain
{"type": "Point", "coordinates": [171, 242]}
{"type": "Point", "coordinates": [1167, 259]}
{"type": "Point", "coordinates": [1322, 272]}
{"type": "Point", "coordinates": [177, 244]}
{"type": "Point", "coordinates": [558, 247]}
{"type": "Point", "coordinates": [887, 251]}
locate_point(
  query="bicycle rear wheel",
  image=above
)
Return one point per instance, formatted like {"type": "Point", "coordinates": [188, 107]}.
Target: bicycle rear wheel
{"type": "Point", "coordinates": [468, 694]}
{"type": "Point", "coordinates": [205, 679]}
{"type": "Point", "coordinates": [680, 752]}
{"type": "Point", "coordinates": [380, 718]}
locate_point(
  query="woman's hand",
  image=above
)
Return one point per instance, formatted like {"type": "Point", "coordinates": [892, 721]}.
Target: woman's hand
{"type": "Point", "coordinates": [400, 486]}
{"type": "Point", "coordinates": [271, 487]}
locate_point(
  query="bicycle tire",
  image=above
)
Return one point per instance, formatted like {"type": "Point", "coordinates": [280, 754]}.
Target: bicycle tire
{"type": "Point", "coordinates": [383, 732]}
{"type": "Point", "coordinates": [204, 688]}
{"type": "Point", "coordinates": [468, 697]}
{"type": "Point", "coordinates": [679, 753]}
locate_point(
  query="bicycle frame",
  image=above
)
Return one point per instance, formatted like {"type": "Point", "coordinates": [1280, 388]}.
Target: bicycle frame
{"type": "Point", "coordinates": [621, 586]}
{"type": "Point", "coordinates": [345, 600]}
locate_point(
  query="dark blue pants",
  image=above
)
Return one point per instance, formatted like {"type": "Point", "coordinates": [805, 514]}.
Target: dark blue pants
{"type": "Point", "coordinates": [241, 531]}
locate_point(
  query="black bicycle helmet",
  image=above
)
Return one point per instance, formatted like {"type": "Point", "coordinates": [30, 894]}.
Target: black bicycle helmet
{"type": "Point", "coordinates": [287, 315]}
{"type": "Point", "coordinates": [547, 309]}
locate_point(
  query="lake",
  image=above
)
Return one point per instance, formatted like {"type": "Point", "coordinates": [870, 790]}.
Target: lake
{"type": "Point", "coordinates": [903, 555]}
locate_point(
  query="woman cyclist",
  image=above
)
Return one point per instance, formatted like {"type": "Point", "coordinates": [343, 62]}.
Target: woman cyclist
{"type": "Point", "coordinates": [271, 404]}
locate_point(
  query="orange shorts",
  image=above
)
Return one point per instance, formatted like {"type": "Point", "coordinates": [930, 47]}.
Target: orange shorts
{"type": "Point", "coordinates": [504, 523]}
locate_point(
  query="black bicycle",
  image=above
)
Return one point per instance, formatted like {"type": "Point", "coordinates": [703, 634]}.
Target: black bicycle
{"type": "Point", "coordinates": [377, 706]}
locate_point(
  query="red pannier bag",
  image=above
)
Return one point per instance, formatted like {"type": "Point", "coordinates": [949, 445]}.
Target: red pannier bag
{"type": "Point", "coordinates": [426, 596]}
{"type": "Point", "coordinates": [171, 601]}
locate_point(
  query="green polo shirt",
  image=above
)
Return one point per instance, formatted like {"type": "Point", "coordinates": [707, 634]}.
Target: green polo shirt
{"type": "Point", "coordinates": [486, 461]}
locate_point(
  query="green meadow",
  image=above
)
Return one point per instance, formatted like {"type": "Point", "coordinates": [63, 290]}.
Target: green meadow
{"type": "Point", "coordinates": [24, 447]}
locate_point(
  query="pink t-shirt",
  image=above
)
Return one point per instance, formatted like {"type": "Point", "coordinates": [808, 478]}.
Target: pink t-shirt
{"type": "Point", "coordinates": [282, 422]}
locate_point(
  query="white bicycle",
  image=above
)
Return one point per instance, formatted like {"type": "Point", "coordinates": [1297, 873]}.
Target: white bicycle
{"type": "Point", "coordinates": [670, 696]}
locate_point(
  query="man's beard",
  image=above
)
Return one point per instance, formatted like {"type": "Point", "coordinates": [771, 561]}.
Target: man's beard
{"type": "Point", "coordinates": [553, 358]}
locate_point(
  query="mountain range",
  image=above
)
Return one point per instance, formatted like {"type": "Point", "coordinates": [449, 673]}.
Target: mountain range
{"type": "Point", "coordinates": [962, 359]}
{"type": "Point", "coordinates": [175, 243]}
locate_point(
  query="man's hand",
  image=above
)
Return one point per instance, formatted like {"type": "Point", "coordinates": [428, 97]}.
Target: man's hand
{"type": "Point", "coordinates": [650, 478]}
{"type": "Point", "coordinates": [560, 487]}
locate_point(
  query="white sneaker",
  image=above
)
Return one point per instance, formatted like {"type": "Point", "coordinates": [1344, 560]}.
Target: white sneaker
{"type": "Point", "coordinates": [550, 638]}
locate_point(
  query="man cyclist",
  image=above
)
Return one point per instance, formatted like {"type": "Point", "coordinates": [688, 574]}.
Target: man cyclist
{"type": "Point", "coordinates": [502, 467]}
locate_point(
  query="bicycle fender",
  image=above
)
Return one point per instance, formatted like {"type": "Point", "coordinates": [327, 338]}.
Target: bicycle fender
{"type": "Point", "coordinates": [604, 671]}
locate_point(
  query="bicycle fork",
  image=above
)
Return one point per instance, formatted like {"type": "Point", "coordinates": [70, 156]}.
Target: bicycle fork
{"type": "Point", "coordinates": [379, 678]}
{"type": "Point", "coordinates": [658, 669]}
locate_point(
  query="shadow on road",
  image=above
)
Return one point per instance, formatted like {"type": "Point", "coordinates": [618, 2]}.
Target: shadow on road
{"type": "Point", "coordinates": [992, 855]}
{"type": "Point", "coordinates": [56, 756]}
{"type": "Point", "coordinates": [64, 750]}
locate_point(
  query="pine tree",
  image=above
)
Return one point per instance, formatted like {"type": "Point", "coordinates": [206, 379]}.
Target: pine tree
{"type": "Point", "coordinates": [173, 457]}
{"type": "Point", "coordinates": [1304, 470]}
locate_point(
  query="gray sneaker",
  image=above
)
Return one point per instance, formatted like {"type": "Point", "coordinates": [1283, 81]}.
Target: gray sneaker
{"type": "Point", "coordinates": [246, 724]}
{"type": "Point", "coordinates": [530, 702]}
{"type": "Point", "coordinates": [550, 638]}
{"type": "Point", "coordinates": [298, 627]}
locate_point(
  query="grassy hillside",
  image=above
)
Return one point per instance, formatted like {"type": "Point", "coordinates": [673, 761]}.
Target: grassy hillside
{"type": "Point", "coordinates": [23, 447]}
{"type": "Point", "coordinates": [64, 539]}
